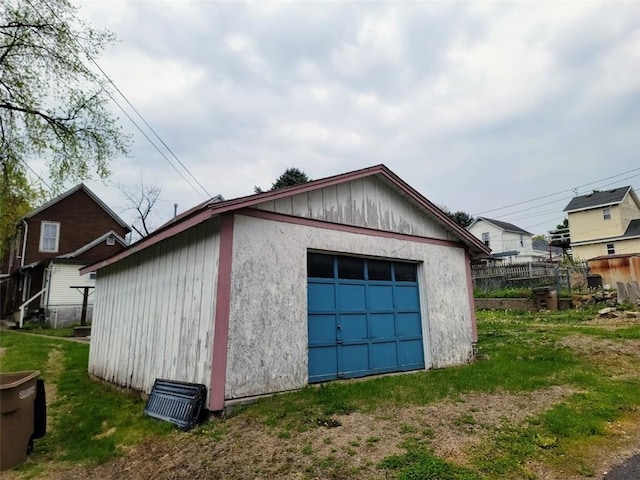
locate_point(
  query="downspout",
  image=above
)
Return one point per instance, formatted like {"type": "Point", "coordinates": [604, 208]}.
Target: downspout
{"type": "Point", "coordinates": [48, 287]}
{"type": "Point", "coordinates": [24, 242]}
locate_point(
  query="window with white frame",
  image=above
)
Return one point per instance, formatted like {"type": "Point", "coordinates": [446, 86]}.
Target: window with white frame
{"type": "Point", "coordinates": [49, 236]}
{"type": "Point", "coordinates": [606, 213]}
{"type": "Point", "coordinates": [485, 238]}
{"type": "Point", "coordinates": [111, 240]}
{"type": "Point", "coordinates": [611, 249]}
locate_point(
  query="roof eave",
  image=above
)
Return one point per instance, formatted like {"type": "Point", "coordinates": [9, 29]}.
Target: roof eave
{"type": "Point", "coordinates": [208, 210]}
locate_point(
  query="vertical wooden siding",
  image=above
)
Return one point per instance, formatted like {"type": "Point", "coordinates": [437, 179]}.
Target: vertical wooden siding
{"type": "Point", "coordinates": [154, 312]}
{"type": "Point", "coordinates": [366, 202]}
{"type": "Point", "coordinates": [63, 276]}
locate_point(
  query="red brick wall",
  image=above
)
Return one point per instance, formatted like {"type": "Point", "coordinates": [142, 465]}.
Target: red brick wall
{"type": "Point", "coordinates": [81, 221]}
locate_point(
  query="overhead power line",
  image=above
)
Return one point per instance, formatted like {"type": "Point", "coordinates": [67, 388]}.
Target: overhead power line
{"type": "Point", "coordinates": [572, 189]}
{"type": "Point", "coordinates": [89, 56]}
{"type": "Point", "coordinates": [36, 174]}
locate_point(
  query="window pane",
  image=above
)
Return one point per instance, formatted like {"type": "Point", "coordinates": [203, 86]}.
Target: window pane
{"type": "Point", "coordinates": [49, 237]}
{"type": "Point", "coordinates": [405, 272]}
{"type": "Point", "coordinates": [49, 230]}
{"type": "Point", "coordinates": [379, 270]}
{"type": "Point", "coordinates": [319, 266]}
{"type": "Point", "coordinates": [351, 268]}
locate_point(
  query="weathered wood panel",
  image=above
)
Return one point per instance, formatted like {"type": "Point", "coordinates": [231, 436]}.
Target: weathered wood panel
{"type": "Point", "coordinates": [366, 202]}
{"type": "Point", "coordinates": [154, 312]}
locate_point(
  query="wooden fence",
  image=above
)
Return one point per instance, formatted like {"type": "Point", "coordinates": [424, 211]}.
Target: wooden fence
{"type": "Point", "coordinates": [529, 275]}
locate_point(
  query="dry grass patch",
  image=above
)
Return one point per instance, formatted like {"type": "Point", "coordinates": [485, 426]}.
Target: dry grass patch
{"type": "Point", "coordinates": [618, 359]}
{"type": "Point", "coordinates": [249, 449]}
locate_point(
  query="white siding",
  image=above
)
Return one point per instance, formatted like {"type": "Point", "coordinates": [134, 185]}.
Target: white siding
{"type": "Point", "coordinates": [154, 312]}
{"type": "Point", "coordinates": [268, 312]}
{"type": "Point", "coordinates": [367, 202]}
{"type": "Point", "coordinates": [63, 276]}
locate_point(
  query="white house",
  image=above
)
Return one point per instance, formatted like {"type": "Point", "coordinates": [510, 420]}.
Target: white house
{"type": "Point", "coordinates": [347, 276]}
{"type": "Point", "coordinates": [508, 243]}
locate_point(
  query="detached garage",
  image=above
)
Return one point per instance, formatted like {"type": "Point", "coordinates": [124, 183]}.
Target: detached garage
{"type": "Point", "coordinates": [343, 277]}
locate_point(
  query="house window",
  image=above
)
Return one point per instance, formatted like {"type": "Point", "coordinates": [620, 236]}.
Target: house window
{"type": "Point", "coordinates": [606, 213]}
{"type": "Point", "coordinates": [92, 276]}
{"type": "Point", "coordinates": [485, 238]}
{"type": "Point", "coordinates": [521, 241]}
{"type": "Point", "coordinates": [111, 240]}
{"type": "Point", "coordinates": [611, 250]}
{"type": "Point", "coordinates": [49, 236]}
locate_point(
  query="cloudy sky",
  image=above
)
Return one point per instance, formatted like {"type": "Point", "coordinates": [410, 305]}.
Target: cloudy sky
{"type": "Point", "coordinates": [477, 105]}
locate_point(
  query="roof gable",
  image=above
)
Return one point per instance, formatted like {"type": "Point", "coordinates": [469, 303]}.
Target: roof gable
{"type": "Point", "coordinates": [599, 199]}
{"type": "Point", "coordinates": [95, 242]}
{"type": "Point", "coordinates": [369, 202]}
{"type": "Point", "coordinates": [209, 209]}
{"type": "Point", "coordinates": [507, 227]}
{"type": "Point", "coordinates": [92, 195]}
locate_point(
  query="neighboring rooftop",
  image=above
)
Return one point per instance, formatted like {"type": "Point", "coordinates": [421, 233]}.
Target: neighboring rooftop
{"type": "Point", "coordinates": [633, 230]}
{"type": "Point", "coordinates": [543, 246]}
{"type": "Point", "coordinates": [83, 187]}
{"type": "Point", "coordinates": [508, 227]}
{"type": "Point", "coordinates": [597, 199]}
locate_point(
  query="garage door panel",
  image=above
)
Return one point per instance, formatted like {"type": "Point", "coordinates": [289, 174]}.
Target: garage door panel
{"type": "Point", "coordinates": [322, 329]}
{"type": "Point", "coordinates": [380, 297]}
{"type": "Point", "coordinates": [353, 327]}
{"type": "Point", "coordinates": [363, 320]}
{"type": "Point", "coordinates": [384, 355]}
{"type": "Point", "coordinates": [409, 325]}
{"type": "Point", "coordinates": [382, 325]}
{"type": "Point", "coordinates": [407, 297]}
{"type": "Point", "coordinates": [321, 296]}
{"type": "Point", "coordinates": [410, 353]}
{"type": "Point", "coordinates": [355, 359]}
{"type": "Point", "coordinates": [323, 363]}
{"type": "Point", "coordinates": [351, 297]}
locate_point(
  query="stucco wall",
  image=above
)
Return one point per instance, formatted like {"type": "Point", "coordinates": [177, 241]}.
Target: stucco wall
{"type": "Point", "coordinates": [268, 311]}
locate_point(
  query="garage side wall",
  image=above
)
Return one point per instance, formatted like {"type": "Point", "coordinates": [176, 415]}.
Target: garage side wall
{"type": "Point", "coordinates": [154, 312]}
{"type": "Point", "coordinates": [268, 339]}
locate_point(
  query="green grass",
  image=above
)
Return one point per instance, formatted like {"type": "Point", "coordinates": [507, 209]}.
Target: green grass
{"type": "Point", "coordinates": [509, 292]}
{"type": "Point", "coordinates": [44, 329]}
{"type": "Point", "coordinates": [90, 421]}
{"type": "Point", "coordinates": [420, 464]}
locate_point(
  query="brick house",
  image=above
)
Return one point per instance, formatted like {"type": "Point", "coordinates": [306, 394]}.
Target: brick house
{"type": "Point", "coordinates": [50, 245]}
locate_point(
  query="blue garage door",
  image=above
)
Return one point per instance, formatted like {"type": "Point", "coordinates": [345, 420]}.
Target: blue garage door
{"type": "Point", "coordinates": [364, 317]}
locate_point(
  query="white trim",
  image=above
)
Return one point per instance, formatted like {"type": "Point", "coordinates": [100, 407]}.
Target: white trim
{"type": "Point", "coordinates": [93, 243]}
{"type": "Point", "coordinates": [43, 224]}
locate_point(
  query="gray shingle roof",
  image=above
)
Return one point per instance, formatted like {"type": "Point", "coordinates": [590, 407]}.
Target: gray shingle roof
{"type": "Point", "coordinates": [543, 246]}
{"type": "Point", "coordinates": [509, 227]}
{"type": "Point", "coordinates": [633, 230]}
{"type": "Point", "coordinates": [597, 199]}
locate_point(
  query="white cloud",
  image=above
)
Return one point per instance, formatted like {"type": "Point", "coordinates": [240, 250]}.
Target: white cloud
{"type": "Point", "coordinates": [477, 104]}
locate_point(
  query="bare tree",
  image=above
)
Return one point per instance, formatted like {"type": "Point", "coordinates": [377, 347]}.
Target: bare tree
{"type": "Point", "coordinates": [142, 199]}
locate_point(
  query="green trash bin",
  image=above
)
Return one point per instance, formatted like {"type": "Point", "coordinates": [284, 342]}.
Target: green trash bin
{"type": "Point", "coordinates": [17, 397]}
